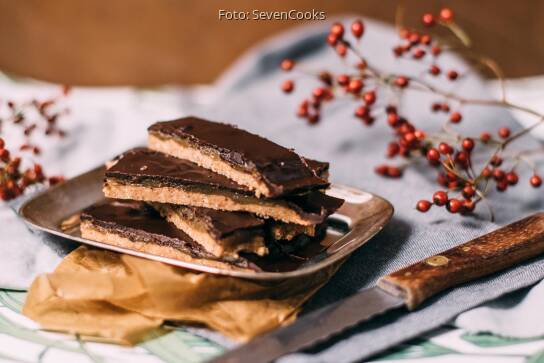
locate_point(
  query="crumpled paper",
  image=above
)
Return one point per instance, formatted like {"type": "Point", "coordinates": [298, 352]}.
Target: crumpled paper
{"type": "Point", "coordinates": [104, 295]}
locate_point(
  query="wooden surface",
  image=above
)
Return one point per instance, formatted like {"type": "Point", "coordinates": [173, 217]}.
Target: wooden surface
{"type": "Point", "coordinates": [484, 255]}
{"type": "Point", "coordinates": [148, 42]}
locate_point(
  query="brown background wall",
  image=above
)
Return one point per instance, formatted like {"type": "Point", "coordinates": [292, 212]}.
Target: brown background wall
{"type": "Point", "coordinates": [147, 42]}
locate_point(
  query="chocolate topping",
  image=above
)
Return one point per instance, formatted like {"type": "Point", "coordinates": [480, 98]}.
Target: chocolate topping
{"type": "Point", "coordinates": [142, 165]}
{"type": "Point", "coordinates": [221, 223]}
{"type": "Point", "coordinates": [139, 222]}
{"type": "Point", "coordinates": [318, 167]}
{"type": "Point", "coordinates": [281, 169]}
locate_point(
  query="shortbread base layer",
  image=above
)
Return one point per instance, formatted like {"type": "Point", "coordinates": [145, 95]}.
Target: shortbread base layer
{"type": "Point", "coordinates": [275, 209]}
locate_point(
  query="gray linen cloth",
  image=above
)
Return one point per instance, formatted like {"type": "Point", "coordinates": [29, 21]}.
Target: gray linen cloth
{"type": "Point", "coordinates": [249, 96]}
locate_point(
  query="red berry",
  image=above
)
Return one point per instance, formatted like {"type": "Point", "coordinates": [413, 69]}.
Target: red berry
{"type": "Point", "coordinates": [394, 172]}
{"type": "Point", "coordinates": [445, 148]}
{"type": "Point", "coordinates": [342, 79]}
{"type": "Point", "coordinates": [332, 40]}
{"type": "Point", "coordinates": [485, 136]}
{"type": "Point", "coordinates": [427, 19]}
{"type": "Point", "coordinates": [404, 33]}
{"type": "Point", "coordinates": [435, 107]}
{"type": "Point", "coordinates": [318, 92]}
{"type": "Point", "coordinates": [313, 119]}
{"type": "Point", "coordinates": [446, 15]}
{"type": "Point", "coordinates": [452, 75]}
{"type": "Point", "coordinates": [392, 149]}
{"type": "Point", "coordinates": [486, 172]}
{"type": "Point", "coordinates": [433, 155]}
{"type": "Point", "coordinates": [362, 65]}
{"type": "Point", "coordinates": [390, 109]}
{"type": "Point", "coordinates": [355, 86]}
{"type": "Point", "coordinates": [445, 107]}
{"type": "Point", "coordinates": [409, 137]}
{"type": "Point", "coordinates": [426, 39]}
{"type": "Point", "coordinates": [361, 111]}
{"type": "Point", "coordinates": [462, 158]}
{"type": "Point", "coordinates": [341, 50]}
{"type": "Point", "coordinates": [504, 132]}
{"type": "Point", "coordinates": [423, 206]}
{"type": "Point", "coordinates": [337, 29]}
{"type": "Point", "coordinates": [369, 97]}
{"type": "Point", "coordinates": [381, 169]}
{"type": "Point", "coordinates": [536, 181]}
{"type": "Point", "coordinates": [496, 160]}
{"type": "Point", "coordinates": [357, 28]}
{"type": "Point", "coordinates": [436, 51]}
{"type": "Point", "coordinates": [501, 186]}
{"type": "Point", "coordinates": [326, 78]}
{"type": "Point", "coordinates": [4, 155]}
{"type": "Point", "coordinates": [414, 38]}
{"type": "Point", "coordinates": [512, 178]}
{"type": "Point", "coordinates": [456, 117]}
{"type": "Point", "coordinates": [468, 144]}
{"type": "Point", "coordinates": [2, 143]}
{"type": "Point", "coordinates": [418, 53]}
{"type": "Point", "coordinates": [434, 70]}
{"type": "Point", "coordinates": [454, 205]}
{"type": "Point", "coordinates": [401, 82]}
{"type": "Point", "coordinates": [368, 120]}
{"type": "Point", "coordinates": [420, 135]}
{"type": "Point", "coordinates": [499, 174]}
{"type": "Point", "coordinates": [393, 119]}
{"type": "Point", "coordinates": [440, 198]}
{"type": "Point", "coordinates": [287, 64]}
{"type": "Point", "coordinates": [398, 51]}
{"type": "Point", "coordinates": [468, 192]}
{"type": "Point", "coordinates": [287, 86]}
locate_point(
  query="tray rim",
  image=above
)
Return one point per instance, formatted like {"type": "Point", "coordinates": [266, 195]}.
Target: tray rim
{"type": "Point", "coordinates": [342, 253]}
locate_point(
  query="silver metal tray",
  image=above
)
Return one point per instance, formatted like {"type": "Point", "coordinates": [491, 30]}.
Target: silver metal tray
{"type": "Point", "coordinates": [359, 219]}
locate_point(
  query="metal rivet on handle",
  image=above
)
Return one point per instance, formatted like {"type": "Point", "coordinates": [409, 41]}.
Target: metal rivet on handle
{"type": "Point", "coordinates": [437, 260]}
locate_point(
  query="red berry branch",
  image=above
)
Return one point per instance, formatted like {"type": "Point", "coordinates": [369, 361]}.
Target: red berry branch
{"type": "Point", "coordinates": [18, 168]}
{"type": "Point", "coordinates": [466, 178]}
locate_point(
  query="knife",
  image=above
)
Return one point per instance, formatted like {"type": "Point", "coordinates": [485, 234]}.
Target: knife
{"type": "Point", "coordinates": [407, 287]}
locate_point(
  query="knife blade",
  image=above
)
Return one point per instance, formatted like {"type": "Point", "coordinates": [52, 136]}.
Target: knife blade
{"type": "Point", "coordinates": [407, 287]}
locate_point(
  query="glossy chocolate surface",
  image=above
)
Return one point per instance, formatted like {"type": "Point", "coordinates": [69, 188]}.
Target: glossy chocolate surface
{"type": "Point", "coordinates": [139, 222]}
{"type": "Point", "coordinates": [142, 165]}
{"type": "Point", "coordinates": [281, 169]}
{"type": "Point", "coordinates": [145, 166]}
{"type": "Point", "coordinates": [318, 167]}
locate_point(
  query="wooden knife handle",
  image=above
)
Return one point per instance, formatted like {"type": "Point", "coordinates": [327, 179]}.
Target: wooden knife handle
{"type": "Point", "coordinates": [484, 255]}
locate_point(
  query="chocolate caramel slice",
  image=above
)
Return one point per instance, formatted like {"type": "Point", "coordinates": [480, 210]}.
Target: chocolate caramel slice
{"type": "Point", "coordinates": [220, 233]}
{"type": "Point", "coordinates": [147, 175]}
{"type": "Point", "coordinates": [264, 167]}
{"type": "Point", "coordinates": [137, 226]}
{"type": "Point", "coordinates": [227, 233]}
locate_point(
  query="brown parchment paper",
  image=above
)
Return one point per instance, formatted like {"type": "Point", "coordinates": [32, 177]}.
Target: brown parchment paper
{"type": "Point", "coordinates": [121, 298]}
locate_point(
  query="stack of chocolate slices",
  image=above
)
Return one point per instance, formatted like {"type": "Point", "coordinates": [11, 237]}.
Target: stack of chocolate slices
{"type": "Point", "coordinates": [211, 193]}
